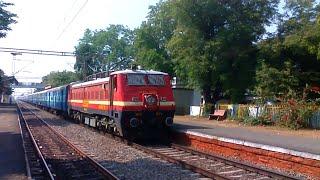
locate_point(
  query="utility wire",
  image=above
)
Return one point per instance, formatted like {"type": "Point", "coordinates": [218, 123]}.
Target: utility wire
{"type": "Point", "coordinates": [74, 17]}
{"type": "Point", "coordinates": [66, 14]}
{"type": "Point", "coordinates": [35, 51]}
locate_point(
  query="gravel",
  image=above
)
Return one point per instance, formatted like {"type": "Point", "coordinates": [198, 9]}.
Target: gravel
{"type": "Point", "coordinates": [122, 160]}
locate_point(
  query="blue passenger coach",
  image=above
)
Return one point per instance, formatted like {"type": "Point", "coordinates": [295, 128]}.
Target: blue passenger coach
{"type": "Point", "coordinates": [55, 99]}
{"type": "Point", "coordinates": [58, 98]}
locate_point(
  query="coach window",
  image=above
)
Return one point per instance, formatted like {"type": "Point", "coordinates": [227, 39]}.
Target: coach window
{"type": "Point", "coordinates": [115, 83]}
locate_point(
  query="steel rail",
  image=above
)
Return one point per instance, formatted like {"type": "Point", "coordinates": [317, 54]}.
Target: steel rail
{"type": "Point", "coordinates": [206, 155]}
{"type": "Point", "coordinates": [234, 163]}
{"type": "Point", "coordinates": [199, 170]}
{"type": "Point", "coordinates": [106, 173]}
{"type": "Point", "coordinates": [193, 167]}
{"type": "Point", "coordinates": [180, 162]}
{"type": "Point", "coordinates": [24, 148]}
{"type": "Point", "coordinates": [49, 173]}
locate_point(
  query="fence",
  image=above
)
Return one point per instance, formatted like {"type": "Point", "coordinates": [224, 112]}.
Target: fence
{"type": "Point", "coordinates": [238, 111]}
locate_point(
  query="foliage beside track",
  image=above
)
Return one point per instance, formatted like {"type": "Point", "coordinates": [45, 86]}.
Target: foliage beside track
{"type": "Point", "coordinates": [5, 82]}
{"type": "Point", "coordinates": [293, 114]}
{"type": "Point", "coordinates": [221, 48]}
{"type": "Point", "coordinates": [60, 78]}
{"type": "Point", "coordinates": [6, 19]}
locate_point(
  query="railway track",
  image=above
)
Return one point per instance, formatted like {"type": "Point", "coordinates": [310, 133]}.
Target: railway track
{"type": "Point", "coordinates": [51, 156]}
{"type": "Point", "coordinates": [207, 165]}
{"type": "Point", "coordinates": [37, 168]}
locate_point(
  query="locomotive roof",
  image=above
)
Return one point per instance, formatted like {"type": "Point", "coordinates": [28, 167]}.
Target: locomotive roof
{"type": "Point", "coordinates": [51, 89]}
{"type": "Point", "coordinates": [91, 82]}
{"type": "Point", "coordinates": [129, 71]}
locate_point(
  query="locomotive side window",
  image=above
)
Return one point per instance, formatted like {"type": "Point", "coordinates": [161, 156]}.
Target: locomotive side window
{"type": "Point", "coordinates": [157, 80]}
{"type": "Point", "coordinates": [136, 79]}
{"type": "Point", "coordinates": [115, 83]}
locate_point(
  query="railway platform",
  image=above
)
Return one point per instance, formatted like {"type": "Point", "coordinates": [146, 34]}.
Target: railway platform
{"type": "Point", "coordinates": [304, 142]}
{"type": "Point", "coordinates": [275, 148]}
{"type": "Point", "coordinates": [12, 158]}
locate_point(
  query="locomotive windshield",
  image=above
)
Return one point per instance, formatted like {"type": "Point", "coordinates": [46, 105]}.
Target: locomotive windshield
{"type": "Point", "coordinates": [156, 80]}
{"type": "Point", "coordinates": [136, 79]}
{"type": "Point", "coordinates": [141, 79]}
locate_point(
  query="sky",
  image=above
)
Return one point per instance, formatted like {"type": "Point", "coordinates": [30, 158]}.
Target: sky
{"type": "Point", "coordinates": [57, 25]}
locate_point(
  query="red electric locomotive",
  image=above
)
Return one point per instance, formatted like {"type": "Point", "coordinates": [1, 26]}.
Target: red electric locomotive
{"type": "Point", "coordinates": [129, 102]}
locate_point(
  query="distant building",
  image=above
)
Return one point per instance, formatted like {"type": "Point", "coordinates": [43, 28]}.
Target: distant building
{"type": "Point", "coordinates": [187, 100]}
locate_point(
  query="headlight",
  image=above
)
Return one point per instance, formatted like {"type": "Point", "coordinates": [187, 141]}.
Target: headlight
{"type": "Point", "coordinates": [151, 100]}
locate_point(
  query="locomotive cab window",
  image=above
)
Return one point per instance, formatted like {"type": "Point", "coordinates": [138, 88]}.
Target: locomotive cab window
{"type": "Point", "coordinates": [156, 80]}
{"type": "Point", "coordinates": [136, 79]}
{"type": "Point", "coordinates": [115, 83]}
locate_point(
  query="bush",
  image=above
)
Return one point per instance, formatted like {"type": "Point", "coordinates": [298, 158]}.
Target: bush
{"type": "Point", "coordinates": [264, 119]}
{"type": "Point", "coordinates": [296, 115]}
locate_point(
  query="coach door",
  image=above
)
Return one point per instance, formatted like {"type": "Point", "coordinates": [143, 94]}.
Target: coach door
{"type": "Point", "coordinates": [113, 86]}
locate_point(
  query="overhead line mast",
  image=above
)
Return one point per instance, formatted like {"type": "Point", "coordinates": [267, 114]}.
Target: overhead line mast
{"type": "Point", "coordinates": [35, 51]}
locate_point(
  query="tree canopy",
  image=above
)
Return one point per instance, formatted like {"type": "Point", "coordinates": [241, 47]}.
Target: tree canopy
{"type": "Point", "coordinates": [5, 82]}
{"type": "Point", "coordinates": [104, 50]}
{"type": "Point", "coordinates": [296, 42]}
{"type": "Point", "coordinates": [56, 79]}
{"type": "Point", "coordinates": [152, 37]}
{"type": "Point", "coordinates": [6, 18]}
{"type": "Point", "coordinates": [219, 47]}
{"type": "Point", "coordinates": [208, 43]}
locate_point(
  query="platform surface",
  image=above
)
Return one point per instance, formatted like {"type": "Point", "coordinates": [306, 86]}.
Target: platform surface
{"type": "Point", "coordinates": [12, 159]}
{"type": "Point", "coordinates": [309, 143]}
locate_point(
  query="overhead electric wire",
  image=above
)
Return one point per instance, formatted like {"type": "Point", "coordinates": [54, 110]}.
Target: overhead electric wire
{"type": "Point", "coordinates": [36, 51]}
{"type": "Point", "coordinates": [74, 17]}
{"type": "Point", "coordinates": [66, 14]}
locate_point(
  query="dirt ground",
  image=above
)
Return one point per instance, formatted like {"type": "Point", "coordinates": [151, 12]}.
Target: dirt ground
{"type": "Point", "coordinates": [310, 133]}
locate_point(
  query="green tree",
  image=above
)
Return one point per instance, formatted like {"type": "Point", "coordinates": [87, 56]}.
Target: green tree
{"type": "Point", "coordinates": [5, 82]}
{"type": "Point", "coordinates": [297, 41]}
{"type": "Point", "coordinates": [276, 84]}
{"type": "Point", "coordinates": [60, 78]}
{"type": "Point", "coordinates": [104, 50]}
{"type": "Point", "coordinates": [214, 43]}
{"type": "Point", "coordinates": [85, 55]}
{"type": "Point", "coordinates": [6, 18]}
{"type": "Point", "coordinates": [152, 38]}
